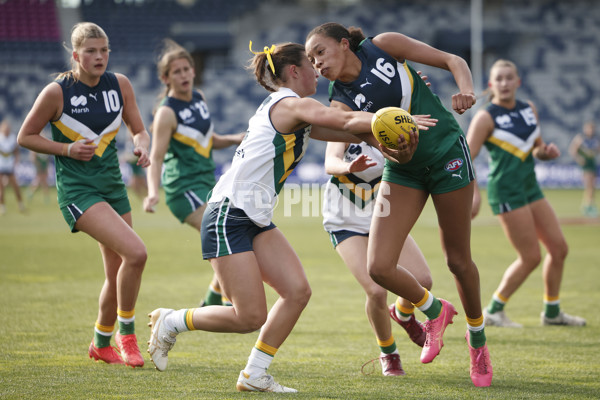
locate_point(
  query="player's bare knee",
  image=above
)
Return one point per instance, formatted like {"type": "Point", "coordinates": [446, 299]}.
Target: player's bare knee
{"type": "Point", "coordinates": [459, 266]}
{"type": "Point", "coordinates": [306, 295]}
{"type": "Point", "coordinates": [426, 282]}
{"type": "Point", "coordinates": [251, 320]}
{"type": "Point", "coordinates": [137, 256]}
{"type": "Point", "coordinates": [376, 294]}
{"type": "Point", "coordinates": [300, 295]}
{"type": "Point", "coordinates": [378, 274]}
{"type": "Point", "coordinates": [559, 251]}
{"type": "Point", "coordinates": [530, 260]}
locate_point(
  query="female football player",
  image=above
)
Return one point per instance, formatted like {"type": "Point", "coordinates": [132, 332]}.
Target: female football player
{"type": "Point", "coordinates": [9, 158]}
{"type": "Point", "coordinates": [584, 148]}
{"type": "Point", "coordinates": [348, 204]}
{"type": "Point", "coordinates": [183, 137]}
{"type": "Point", "coordinates": [509, 129]}
{"type": "Point", "coordinates": [369, 74]}
{"type": "Point", "coordinates": [85, 107]}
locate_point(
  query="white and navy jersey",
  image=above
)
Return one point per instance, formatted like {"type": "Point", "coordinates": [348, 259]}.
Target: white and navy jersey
{"type": "Point", "coordinates": [89, 113]}
{"type": "Point", "coordinates": [262, 163]}
{"type": "Point", "coordinates": [385, 82]}
{"type": "Point", "coordinates": [8, 144]}
{"type": "Point", "coordinates": [510, 146]}
{"type": "Point", "coordinates": [188, 160]}
{"type": "Point", "coordinates": [349, 199]}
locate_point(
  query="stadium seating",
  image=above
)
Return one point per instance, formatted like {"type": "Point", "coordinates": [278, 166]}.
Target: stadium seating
{"type": "Point", "coordinates": [29, 31]}
{"type": "Point", "coordinates": [555, 45]}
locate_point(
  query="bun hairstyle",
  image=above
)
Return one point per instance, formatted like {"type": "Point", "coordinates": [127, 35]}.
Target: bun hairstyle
{"type": "Point", "coordinates": [338, 32]}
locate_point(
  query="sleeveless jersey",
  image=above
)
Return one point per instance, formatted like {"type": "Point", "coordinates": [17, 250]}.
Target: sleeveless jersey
{"type": "Point", "coordinates": [510, 147]}
{"type": "Point", "coordinates": [587, 150]}
{"type": "Point", "coordinates": [349, 199]}
{"type": "Point", "coordinates": [188, 161]}
{"type": "Point", "coordinates": [89, 113]}
{"type": "Point", "coordinates": [8, 144]}
{"type": "Point", "coordinates": [262, 163]}
{"type": "Point", "coordinates": [385, 82]}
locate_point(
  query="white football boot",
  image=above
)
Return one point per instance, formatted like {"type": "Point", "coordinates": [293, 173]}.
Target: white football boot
{"type": "Point", "coordinates": [562, 319]}
{"type": "Point", "coordinates": [500, 319]}
{"type": "Point", "coordinates": [264, 383]}
{"type": "Point", "coordinates": [161, 340]}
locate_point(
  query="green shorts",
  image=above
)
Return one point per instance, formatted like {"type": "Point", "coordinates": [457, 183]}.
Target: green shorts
{"type": "Point", "coordinates": [41, 164]}
{"type": "Point", "coordinates": [136, 170]}
{"type": "Point", "coordinates": [589, 165]}
{"type": "Point", "coordinates": [502, 201]}
{"type": "Point", "coordinates": [71, 212]}
{"type": "Point", "coordinates": [183, 204]}
{"type": "Point", "coordinates": [451, 172]}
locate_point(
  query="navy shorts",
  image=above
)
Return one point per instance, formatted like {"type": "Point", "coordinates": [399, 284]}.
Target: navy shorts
{"type": "Point", "coordinates": [338, 237]}
{"type": "Point", "coordinates": [227, 230]}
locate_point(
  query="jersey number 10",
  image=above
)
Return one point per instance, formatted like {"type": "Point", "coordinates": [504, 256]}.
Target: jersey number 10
{"type": "Point", "coordinates": [111, 101]}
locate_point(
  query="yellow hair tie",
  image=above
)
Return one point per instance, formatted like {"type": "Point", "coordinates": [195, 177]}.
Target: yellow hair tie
{"type": "Point", "coordinates": [268, 51]}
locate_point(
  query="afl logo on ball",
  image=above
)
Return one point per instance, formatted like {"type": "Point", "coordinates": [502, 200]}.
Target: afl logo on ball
{"type": "Point", "coordinates": [454, 164]}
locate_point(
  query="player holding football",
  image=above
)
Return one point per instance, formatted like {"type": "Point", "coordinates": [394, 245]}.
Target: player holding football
{"type": "Point", "coordinates": [85, 107]}
{"type": "Point", "coordinates": [239, 238]}
{"type": "Point", "coordinates": [184, 139]}
{"type": "Point", "coordinates": [369, 74]}
{"type": "Point", "coordinates": [509, 129]}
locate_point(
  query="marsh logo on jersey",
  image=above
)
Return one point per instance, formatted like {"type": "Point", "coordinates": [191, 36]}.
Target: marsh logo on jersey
{"type": "Point", "coordinates": [360, 99]}
{"type": "Point", "coordinates": [77, 101]}
{"type": "Point", "coordinates": [504, 121]}
{"type": "Point", "coordinates": [454, 165]}
{"type": "Point", "coordinates": [186, 115]}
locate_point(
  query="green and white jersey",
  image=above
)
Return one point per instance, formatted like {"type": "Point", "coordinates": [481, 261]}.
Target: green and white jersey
{"type": "Point", "coordinates": [89, 113]}
{"type": "Point", "coordinates": [188, 160]}
{"type": "Point", "coordinates": [349, 199]}
{"type": "Point", "coordinates": [588, 149]}
{"type": "Point", "coordinates": [510, 147]}
{"type": "Point", "coordinates": [262, 163]}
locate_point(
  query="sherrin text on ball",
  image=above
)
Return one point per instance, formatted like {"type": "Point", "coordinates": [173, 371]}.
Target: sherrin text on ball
{"type": "Point", "coordinates": [389, 123]}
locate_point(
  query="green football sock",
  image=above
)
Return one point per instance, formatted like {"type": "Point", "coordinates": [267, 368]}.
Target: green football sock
{"type": "Point", "coordinates": [495, 306]}
{"type": "Point", "coordinates": [434, 310]}
{"type": "Point", "coordinates": [551, 310]}
{"type": "Point", "coordinates": [477, 339]}
{"type": "Point", "coordinates": [126, 328]}
{"type": "Point", "coordinates": [101, 340]}
{"type": "Point", "coordinates": [212, 298]}
{"type": "Point", "coordinates": [387, 346]}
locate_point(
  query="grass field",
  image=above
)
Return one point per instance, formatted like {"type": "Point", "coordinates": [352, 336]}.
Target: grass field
{"type": "Point", "coordinates": [50, 280]}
